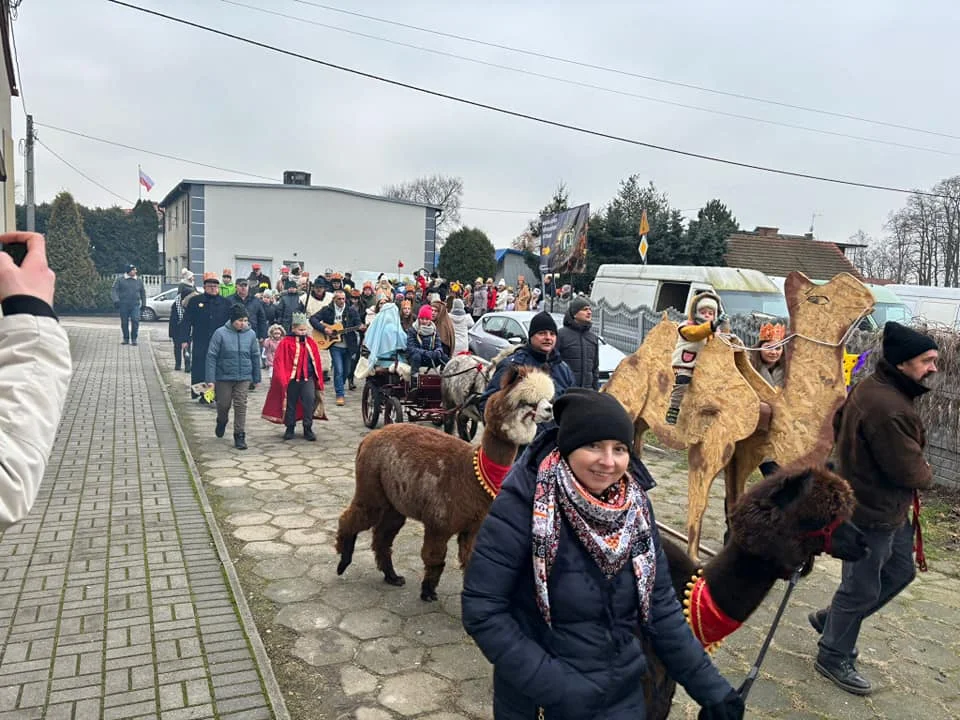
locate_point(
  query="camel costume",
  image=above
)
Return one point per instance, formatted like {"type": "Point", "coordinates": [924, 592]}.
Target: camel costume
{"type": "Point", "coordinates": [694, 333]}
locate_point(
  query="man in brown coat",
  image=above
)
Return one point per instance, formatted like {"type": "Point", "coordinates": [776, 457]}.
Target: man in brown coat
{"type": "Point", "coordinates": [880, 442]}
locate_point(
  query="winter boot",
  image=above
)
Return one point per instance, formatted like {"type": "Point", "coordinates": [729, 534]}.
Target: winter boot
{"type": "Point", "coordinates": [289, 434]}
{"type": "Point", "coordinates": [221, 428]}
{"type": "Point", "coordinates": [843, 673]}
{"type": "Point", "coordinates": [308, 433]}
{"type": "Point", "coordinates": [818, 619]}
{"type": "Point", "coordinates": [240, 441]}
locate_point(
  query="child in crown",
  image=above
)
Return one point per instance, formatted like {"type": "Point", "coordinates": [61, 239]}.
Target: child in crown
{"type": "Point", "coordinates": [296, 382]}
{"type": "Point", "coordinates": [767, 359]}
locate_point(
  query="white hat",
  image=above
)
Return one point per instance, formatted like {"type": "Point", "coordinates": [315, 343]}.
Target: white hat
{"type": "Point", "coordinates": [502, 283]}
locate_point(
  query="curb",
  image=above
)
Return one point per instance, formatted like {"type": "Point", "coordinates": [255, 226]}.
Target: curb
{"type": "Point", "coordinates": [270, 684]}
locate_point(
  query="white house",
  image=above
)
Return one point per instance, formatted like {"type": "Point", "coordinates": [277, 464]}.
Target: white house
{"type": "Point", "coordinates": [8, 90]}
{"type": "Point", "coordinates": [212, 225]}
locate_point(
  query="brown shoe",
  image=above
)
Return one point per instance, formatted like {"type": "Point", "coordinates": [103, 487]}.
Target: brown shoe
{"type": "Point", "coordinates": [341, 401]}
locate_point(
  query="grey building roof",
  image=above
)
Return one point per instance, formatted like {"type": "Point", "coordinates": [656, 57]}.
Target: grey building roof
{"type": "Point", "coordinates": [184, 184]}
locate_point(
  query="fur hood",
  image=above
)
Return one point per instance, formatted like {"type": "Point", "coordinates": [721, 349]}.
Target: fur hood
{"type": "Point", "coordinates": [695, 300]}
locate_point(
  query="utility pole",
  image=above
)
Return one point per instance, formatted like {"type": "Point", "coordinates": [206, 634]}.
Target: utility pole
{"type": "Point", "coordinates": [29, 195]}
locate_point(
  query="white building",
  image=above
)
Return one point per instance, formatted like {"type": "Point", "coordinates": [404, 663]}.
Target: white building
{"type": "Point", "coordinates": [212, 225]}
{"type": "Point", "coordinates": [8, 90]}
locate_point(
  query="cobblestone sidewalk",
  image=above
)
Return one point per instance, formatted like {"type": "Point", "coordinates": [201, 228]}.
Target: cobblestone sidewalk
{"type": "Point", "coordinates": [113, 600]}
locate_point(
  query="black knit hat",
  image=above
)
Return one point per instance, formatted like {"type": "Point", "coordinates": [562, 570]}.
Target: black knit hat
{"type": "Point", "coordinates": [901, 343]}
{"type": "Point", "coordinates": [587, 416]}
{"type": "Point", "coordinates": [542, 321]}
{"type": "Point", "coordinates": [238, 312]}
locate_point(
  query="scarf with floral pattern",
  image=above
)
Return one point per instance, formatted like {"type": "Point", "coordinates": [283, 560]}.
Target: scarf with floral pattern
{"type": "Point", "coordinates": [614, 529]}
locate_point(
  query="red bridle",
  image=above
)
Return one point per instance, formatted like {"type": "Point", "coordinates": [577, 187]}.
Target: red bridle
{"type": "Point", "coordinates": [827, 534]}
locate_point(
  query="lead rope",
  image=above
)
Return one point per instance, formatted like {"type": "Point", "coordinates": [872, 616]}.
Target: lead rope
{"type": "Point", "coordinates": [744, 689]}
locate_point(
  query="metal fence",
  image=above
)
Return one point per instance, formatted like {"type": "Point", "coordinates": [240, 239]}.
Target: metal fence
{"type": "Point", "coordinates": [152, 284]}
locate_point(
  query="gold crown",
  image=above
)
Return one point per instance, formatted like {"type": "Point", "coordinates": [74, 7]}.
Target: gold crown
{"type": "Point", "coordinates": [772, 333]}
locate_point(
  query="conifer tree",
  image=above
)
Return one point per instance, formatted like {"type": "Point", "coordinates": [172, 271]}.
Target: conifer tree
{"type": "Point", "coordinates": [68, 253]}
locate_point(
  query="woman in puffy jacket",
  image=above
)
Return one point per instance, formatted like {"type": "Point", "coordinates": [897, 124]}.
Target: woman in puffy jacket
{"type": "Point", "coordinates": [567, 567]}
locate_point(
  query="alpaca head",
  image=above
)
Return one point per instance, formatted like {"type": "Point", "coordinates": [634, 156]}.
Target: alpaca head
{"type": "Point", "coordinates": [525, 399]}
{"type": "Point", "coordinates": [795, 514]}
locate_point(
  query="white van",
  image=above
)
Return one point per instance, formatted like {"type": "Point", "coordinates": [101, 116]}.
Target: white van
{"type": "Point", "coordinates": [743, 292]}
{"type": "Point", "coordinates": [932, 304]}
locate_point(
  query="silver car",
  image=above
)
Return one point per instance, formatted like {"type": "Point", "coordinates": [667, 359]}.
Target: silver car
{"type": "Point", "coordinates": [158, 307]}
{"type": "Point", "coordinates": [496, 330]}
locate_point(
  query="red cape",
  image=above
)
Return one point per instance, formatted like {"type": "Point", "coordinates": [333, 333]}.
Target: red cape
{"type": "Point", "coordinates": [284, 366]}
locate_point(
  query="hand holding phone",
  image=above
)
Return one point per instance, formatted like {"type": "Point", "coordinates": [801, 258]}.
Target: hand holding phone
{"type": "Point", "coordinates": [23, 267]}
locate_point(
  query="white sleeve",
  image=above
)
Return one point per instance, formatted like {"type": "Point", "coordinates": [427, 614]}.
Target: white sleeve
{"type": "Point", "coordinates": [34, 376]}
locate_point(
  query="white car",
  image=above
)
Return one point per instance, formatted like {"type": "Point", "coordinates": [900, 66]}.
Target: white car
{"type": "Point", "coordinates": [158, 307]}
{"type": "Point", "coordinates": [496, 330]}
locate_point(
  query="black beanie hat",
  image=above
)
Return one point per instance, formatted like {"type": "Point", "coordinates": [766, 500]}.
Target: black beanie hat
{"type": "Point", "coordinates": [238, 312]}
{"type": "Point", "coordinates": [542, 321]}
{"type": "Point", "coordinates": [901, 343]}
{"type": "Point", "coordinates": [587, 416]}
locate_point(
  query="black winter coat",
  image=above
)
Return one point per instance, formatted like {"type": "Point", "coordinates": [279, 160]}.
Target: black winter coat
{"type": "Point", "coordinates": [579, 347]}
{"type": "Point", "coordinates": [205, 315]}
{"type": "Point", "coordinates": [177, 328]}
{"type": "Point", "coordinates": [256, 311]}
{"type": "Point", "coordinates": [590, 664]}
{"type": "Point", "coordinates": [287, 304]}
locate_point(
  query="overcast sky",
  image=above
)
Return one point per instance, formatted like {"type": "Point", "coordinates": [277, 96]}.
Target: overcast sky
{"type": "Point", "coordinates": [105, 70]}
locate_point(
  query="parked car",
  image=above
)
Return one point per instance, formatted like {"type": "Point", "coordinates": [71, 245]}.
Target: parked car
{"type": "Point", "coordinates": [497, 330]}
{"type": "Point", "coordinates": [158, 306]}
{"type": "Point", "coordinates": [931, 304]}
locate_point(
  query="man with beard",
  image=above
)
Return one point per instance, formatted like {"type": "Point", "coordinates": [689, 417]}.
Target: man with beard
{"type": "Point", "coordinates": [342, 350]}
{"type": "Point", "coordinates": [205, 315]}
{"type": "Point", "coordinates": [880, 441]}
{"type": "Point", "coordinates": [257, 280]}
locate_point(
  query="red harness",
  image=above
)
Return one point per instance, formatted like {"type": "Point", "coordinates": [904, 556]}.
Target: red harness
{"type": "Point", "coordinates": [489, 473]}
{"type": "Point", "coordinates": [827, 534]}
{"type": "Point", "coordinates": [709, 623]}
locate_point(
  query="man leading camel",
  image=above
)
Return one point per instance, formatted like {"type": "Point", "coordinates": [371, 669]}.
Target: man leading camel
{"type": "Point", "coordinates": [880, 442]}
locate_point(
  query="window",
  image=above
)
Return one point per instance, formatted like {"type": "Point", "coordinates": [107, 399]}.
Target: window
{"type": "Point", "coordinates": [494, 325]}
{"type": "Point", "coordinates": [513, 329]}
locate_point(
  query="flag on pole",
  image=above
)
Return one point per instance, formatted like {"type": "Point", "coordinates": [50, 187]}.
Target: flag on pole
{"type": "Point", "coordinates": [399, 264]}
{"type": "Point", "coordinates": [145, 179]}
{"type": "Point", "coordinates": [644, 229]}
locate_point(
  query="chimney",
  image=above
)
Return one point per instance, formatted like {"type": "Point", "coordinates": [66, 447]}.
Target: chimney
{"type": "Point", "coordinates": [765, 231]}
{"type": "Point", "coordinates": [296, 177]}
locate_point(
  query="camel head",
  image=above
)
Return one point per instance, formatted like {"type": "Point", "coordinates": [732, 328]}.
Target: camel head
{"type": "Point", "coordinates": [825, 312]}
{"type": "Point", "coordinates": [795, 514]}
{"type": "Point", "coordinates": [525, 399]}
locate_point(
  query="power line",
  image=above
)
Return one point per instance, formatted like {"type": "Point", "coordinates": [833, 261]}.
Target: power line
{"type": "Point", "coordinates": [628, 73]}
{"type": "Point", "coordinates": [521, 115]}
{"type": "Point", "coordinates": [592, 86]}
{"type": "Point", "coordinates": [152, 152]}
{"type": "Point", "coordinates": [80, 172]}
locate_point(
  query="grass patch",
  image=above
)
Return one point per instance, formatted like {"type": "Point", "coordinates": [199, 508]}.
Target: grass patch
{"type": "Point", "coordinates": [940, 519]}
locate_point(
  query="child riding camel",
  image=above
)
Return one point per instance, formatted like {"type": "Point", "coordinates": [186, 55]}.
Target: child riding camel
{"type": "Point", "coordinates": [703, 319]}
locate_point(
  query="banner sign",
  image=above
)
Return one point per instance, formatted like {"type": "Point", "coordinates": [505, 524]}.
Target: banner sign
{"type": "Point", "coordinates": [563, 241]}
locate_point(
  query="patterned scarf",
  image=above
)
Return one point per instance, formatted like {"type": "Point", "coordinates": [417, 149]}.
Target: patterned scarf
{"type": "Point", "coordinates": [613, 529]}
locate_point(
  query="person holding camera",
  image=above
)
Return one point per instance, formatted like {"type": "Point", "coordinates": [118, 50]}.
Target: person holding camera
{"type": "Point", "coordinates": [34, 373]}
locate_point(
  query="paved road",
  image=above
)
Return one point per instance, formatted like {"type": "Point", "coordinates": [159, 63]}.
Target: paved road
{"type": "Point", "coordinates": [347, 647]}
{"type": "Point", "coordinates": [352, 646]}
{"type": "Point", "coordinates": [113, 601]}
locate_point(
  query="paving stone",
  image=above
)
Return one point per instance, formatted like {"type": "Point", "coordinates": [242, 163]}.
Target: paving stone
{"type": "Point", "coordinates": [281, 568]}
{"type": "Point", "coordinates": [372, 713]}
{"type": "Point", "coordinates": [256, 533]}
{"type": "Point", "coordinates": [248, 518]}
{"type": "Point", "coordinates": [370, 623]}
{"type": "Point", "coordinates": [433, 629]}
{"type": "Point", "coordinates": [291, 590]}
{"type": "Point", "coordinates": [293, 521]}
{"type": "Point", "coordinates": [266, 549]}
{"type": "Point", "coordinates": [230, 482]}
{"type": "Point", "coordinates": [261, 475]}
{"type": "Point", "coordinates": [307, 617]}
{"type": "Point", "coordinates": [459, 661]}
{"type": "Point", "coordinates": [309, 536]}
{"type": "Point", "coordinates": [386, 656]}
{"type": "Point", "coordinates": [268, 484]}
{"type": "Point", "coordinates": [324, 647]}
{"type": "Point", "coordinates": [414, 693]}
{"type": "Point", "coordinates": [355, 681]}
{"type": "Point", "coordinates": [476, 697]}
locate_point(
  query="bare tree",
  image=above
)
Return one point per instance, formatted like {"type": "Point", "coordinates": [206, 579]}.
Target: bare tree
{"type": "Point", "coordinates": [442, 191]}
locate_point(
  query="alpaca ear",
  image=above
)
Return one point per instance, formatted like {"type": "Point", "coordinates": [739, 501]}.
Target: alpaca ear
{"type": "Point", "coordinates": [794, 487]}
{"type": "Point", "coordinates": [512, 374]}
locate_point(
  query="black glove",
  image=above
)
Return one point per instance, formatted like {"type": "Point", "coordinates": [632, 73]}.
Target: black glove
{"type": "Point", "coordinates": [721, 318]}
{"type": "Point", "coordinates": [732, 708]}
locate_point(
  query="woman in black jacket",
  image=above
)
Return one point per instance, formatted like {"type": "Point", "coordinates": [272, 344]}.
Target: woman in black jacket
{"type": "Point", "coordinates": [567, 567]}
{"type": "Point", "coordinates": [178, 331]}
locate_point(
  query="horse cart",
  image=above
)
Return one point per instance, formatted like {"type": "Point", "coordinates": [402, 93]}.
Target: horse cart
{"type": "Point", "coordinates": [386, 391]}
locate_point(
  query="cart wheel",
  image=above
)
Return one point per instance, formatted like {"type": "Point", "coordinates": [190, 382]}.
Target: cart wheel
{"type": "Point", "coordinates": [371, 402]}
{"type": "Point", "coordinates": [392, 411]}
{"type": "Point", "coordinates": [466, 427]}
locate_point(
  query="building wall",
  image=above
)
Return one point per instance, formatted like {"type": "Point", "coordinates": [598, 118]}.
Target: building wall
{"type": "Point", "coordinates": [176, 235]}
{"type": "Point", "coordinates": [510, 267]}
{"type": "Point", "coordinates": [8, 214]}
{"type": "Point", "coordinates": [316, 228]}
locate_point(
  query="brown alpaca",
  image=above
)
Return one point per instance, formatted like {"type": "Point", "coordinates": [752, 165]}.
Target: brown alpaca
{"type": "Point", "coordinates": [779, 525]}
{"type": "Point", "coordinates": [414, 471]}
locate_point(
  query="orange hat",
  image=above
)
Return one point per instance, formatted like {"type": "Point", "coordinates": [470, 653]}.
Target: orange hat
{"type": "Point", "coordinates": [210, 277]}
{"type": "Point", "coordinates": [228, 272]}
{"type": "Point", "coordinates": [257, 266]}
{"type": "Point", "coordinates": [354, 293]}
{"type": "Point", "coordinates": [368, 284]}
{"type": "Point", "coordinates": [284, 269]}
{"type": "Point", "coordinates": [772, 333]}
{"type": "Point", "coordinates": [336, 276]}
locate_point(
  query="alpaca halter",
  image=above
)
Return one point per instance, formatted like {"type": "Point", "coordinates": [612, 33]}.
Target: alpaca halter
{"type": "Point", "coordinates": [489, 474]}
{"type": "Point", "coordinates": [709, 623]}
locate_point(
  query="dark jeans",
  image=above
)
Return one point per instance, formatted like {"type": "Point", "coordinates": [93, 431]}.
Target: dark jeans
{"type": "Point", "coordinates": [306, 392]}
{"type": "Point", "coordinates": [866, 586]}
{"type": "Point", "coordinates": [180, 356]}
{"type": "Point", "coordinates": [130, 321]}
